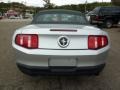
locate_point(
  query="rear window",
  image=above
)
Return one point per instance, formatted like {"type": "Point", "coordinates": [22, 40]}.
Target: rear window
{"type": "Point", "coordinates": [110, 10]}
{"type": "Point", "coordinates": [106, 10]}
{"type": "Point", "coordinates": [59, 18]}
{"type": "Point", "coordinates": [96, 10]}
{"type": "Point", "coordinates": [116, 9]}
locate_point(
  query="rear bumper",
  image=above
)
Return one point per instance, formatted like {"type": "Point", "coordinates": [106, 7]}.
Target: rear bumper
{"type": "Point", "coordinates": [60, 70]}
{"type": "Point", "coordinates": [92, 58]}
{"type": "Point", "coordinates": [96, 22]}
{"type": "Point", "coordinates": [38, 61]}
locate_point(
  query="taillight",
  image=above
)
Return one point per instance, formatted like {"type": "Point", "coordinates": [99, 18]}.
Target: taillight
{"type": "Point", "coordinates": [97, 17]}
{"type": "Point", "coordinates": [97, 42]}
{"type": "Point", "coordinates": [27, 40]}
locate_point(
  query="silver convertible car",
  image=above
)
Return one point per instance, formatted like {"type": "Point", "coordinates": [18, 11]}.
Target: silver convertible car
{"type": "Point", "coordinates": [60, 42]}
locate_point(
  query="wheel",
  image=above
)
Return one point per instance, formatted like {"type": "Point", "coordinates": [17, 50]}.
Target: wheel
{"type": "Point", "coordinates": [97, 73]}
{"type": "Point", "coordinates": [99, 25]}
{"type": "Point", "coordinates": [108, 23]}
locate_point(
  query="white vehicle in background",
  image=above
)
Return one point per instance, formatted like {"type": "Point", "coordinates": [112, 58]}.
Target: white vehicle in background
{"type": "Point", "coordinates": [15, 17]}
{"type": "Point", "coordinates": [28, 15]}
{"type": "Point", "coordinates": [60, 42]}
{"type": "Point", "coordinates": [88, 15]}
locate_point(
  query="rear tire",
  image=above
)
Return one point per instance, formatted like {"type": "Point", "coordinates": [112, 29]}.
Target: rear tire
{"type": "Point", "coordinates": [108, 23]}
{"type": "Point", "coordinates": [99, 25]}
{"type": "Point", "coordinates": [97, 73]}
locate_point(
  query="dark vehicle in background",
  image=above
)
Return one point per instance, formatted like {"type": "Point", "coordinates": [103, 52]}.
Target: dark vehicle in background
{"type": "Point", "coordinates": [105, 16]}
{"type": "Point", "coordinates": [0, 15]}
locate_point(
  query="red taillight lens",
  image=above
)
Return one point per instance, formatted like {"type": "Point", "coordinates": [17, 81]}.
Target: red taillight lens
{"type": "Point", "coordinates": [27, 40]}
{"type": "Point", "coordinates": [97, 42]}
{"type": "Point", "coordinates": [97, 17]}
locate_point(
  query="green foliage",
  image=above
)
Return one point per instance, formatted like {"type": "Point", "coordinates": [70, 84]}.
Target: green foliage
{"type": "Point", "coordinates": [4, 7]}
{"type": "Point", "coordinates": [49, 6]}
{"type": "Point", "coordinates": [81, 7]}
{"type": "Point", "coordinates": [22, 8]}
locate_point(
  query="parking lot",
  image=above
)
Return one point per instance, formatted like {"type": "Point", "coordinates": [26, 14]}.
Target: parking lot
{"type": "Point", "coordinates": [12, 79]}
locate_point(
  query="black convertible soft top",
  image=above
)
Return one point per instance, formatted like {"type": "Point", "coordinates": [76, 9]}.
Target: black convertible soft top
{"type": "Point", "coordinates": [60, 11]}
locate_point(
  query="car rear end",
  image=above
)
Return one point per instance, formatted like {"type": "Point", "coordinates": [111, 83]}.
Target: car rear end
{"type": "Point", "coordinates": [95, 17]}
{"type": "Point", "coordinates": [60, 42]}
{"type": "Point", "coordinates": [38, 49]}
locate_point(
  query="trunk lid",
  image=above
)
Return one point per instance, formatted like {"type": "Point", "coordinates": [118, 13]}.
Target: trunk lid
{"type": "Point", "coordinates": [49, 35]}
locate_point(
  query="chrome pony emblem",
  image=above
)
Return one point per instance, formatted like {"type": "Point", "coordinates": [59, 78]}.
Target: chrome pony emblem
{"type": "Point", "coordinates": [63, 41]}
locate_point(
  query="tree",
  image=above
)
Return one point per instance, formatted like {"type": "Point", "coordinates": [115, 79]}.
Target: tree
{"type": "Point", "coordinates": [47, 1]}
{"type": "Point", "coordinates": [48, 4]}
{"type": "Point", "coordinates": [116, 2]}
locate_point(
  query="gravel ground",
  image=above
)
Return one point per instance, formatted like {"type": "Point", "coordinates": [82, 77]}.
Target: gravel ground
{"type": "Point", "coordinates": [12, 79]}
